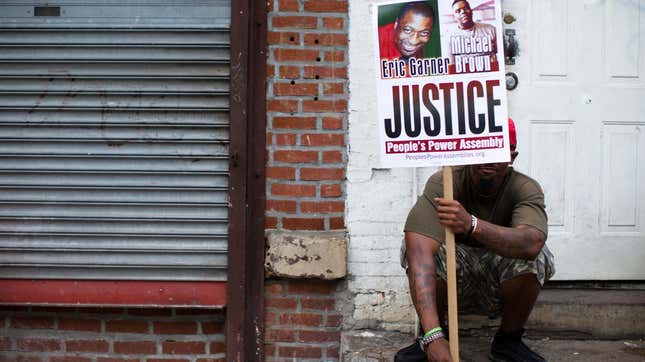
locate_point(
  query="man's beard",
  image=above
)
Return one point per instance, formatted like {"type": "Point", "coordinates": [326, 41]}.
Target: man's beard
{"type": "Point", "coordinates": [486, 186]}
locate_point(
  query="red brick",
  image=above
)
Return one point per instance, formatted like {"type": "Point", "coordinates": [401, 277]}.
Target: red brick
{"type": "Point", "coordinates": [127, 326]}
{"type": "Point", "coordinates": [310, 287]}
{"type": "Point", "coordinates": [319, 174]}
{"type": "Point", "coordinates": [111, 359]}
{"type": "Point", "coordinates": [300, 352]}
{"type": "Point", "coordinates": [310, 320]}
{"type": "Point", "coordinates": [333, 88]}
{"type": "Point", "coordinates": [281, 205]}
{"type": "Point", "coordinates": [20, 358]}
{"type": "Point", "coordinates": [334, 56]}
{"type": "Point", "coordinates": [175, 327]}
{"type": "Point", "coordinates": [322, 206]}
{"type": "Point", "coordinates": [211, 360]}
{"type": "Point", "coordinates": [332, 190]}
{"type": "Point", "coordinates": [69, 359]}
{"type": "Point", "coordinates": [334, 320]}
{"type": "Point", "coordinates": [282, 105]}
{"type": "Point", "coordinates": [39, 344]}
{"type": "Point", "coordinates": [270, 349]}
{"type": "Point", "coordinates": [285, 139]}
{"type": "Point", "coordinates": [280, 303]}
{"type": "Point", "coordinates": [293, 190]}
{"type": "Point", "coordinates": [295, 89]}
{"type": "Point", "coordinates": [332, 123]}
{"type": "Point", "coordinates": [175, 347]}
{"type": "Point", "coordinates": [274, 288]}
{"type": "Point", "coordinates": [332, 156]}
{"type": "Point", "coordinates": [336, 223]}
{"type": "Point", "coordinates": [333, 352]}
{"type": "Point", "coordinates": [295, 55]}
{"type": "Point", "coordinates": [270, 5]}
{"type": "Point", "coordinates": [318, 304]}
{"type": "Point", "coordinates": [87, 345]}
{"type": "Point", "coordinates": [335, 105]}
{"type": "Point", "coordinates": [326, 39]}
{"type": "Point", "coordinates": [270, 71]}
{"type": "Point", "coordinates": [329, 6]}
{"type": "Point", "coordinates": [301, 22]}
{"type": "Point", "coordinates": [303, 223]}
{"type": "Point", "coordinates": [319, 336]}
{"type": "Point", "coordinates": [217, 347]}
{"type": "Point", "coordinates": [333, 23]}
{"type": "Point", "coordinates": [270, 222]}
{"type": "Point", "coordinates": [167, 360]}
{"type": "Point", "coordinates": [135, 347]}
{"type": "Point", "coordinates": [289, 5]}
{"type": "Point", "coordinates": [5, 344]}
{"type": "Point", "coordinates": [212, 327]}
{"type": "Point", "coordinates": [283, 173]}
{"type": "Point", "coordinates": [294, 122]}
{"type": "Point", "coordinates": [89, 325]}
{"type": "Point", "coordinates": [269, 139]}
{"type": "Point", "coordinates": [270, 318]}
{"type": "Point", "coordinates": [280, 335]}
{"type": "Point", "coordinates": [325, 72]}
{"type": "Point", "coordinates": [283, 37]}
{"type": "Point", "coordinates": [294, 156]}
{"type": "Point", "coordinates": [289, 71]}
{"type": "Point", "coordinates": [32, 322]}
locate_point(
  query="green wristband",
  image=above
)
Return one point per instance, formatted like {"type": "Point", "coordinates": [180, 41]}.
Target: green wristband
{"type": "Point", "coordinates": [433, 330]}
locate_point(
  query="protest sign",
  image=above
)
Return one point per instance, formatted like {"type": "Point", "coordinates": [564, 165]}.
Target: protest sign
{"type": "Point", "coordinates": [441, 95]}
{"type": "Point", "coordinates": [440, 84]}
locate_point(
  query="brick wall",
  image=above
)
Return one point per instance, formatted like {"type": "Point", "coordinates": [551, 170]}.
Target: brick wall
{"type": "Point", "coordinates": [35, 334]}
{"type": "Point", "coordinates": [306, 161]}
{"type": "Point", "coordinates": [307, 114]}
{"type": "Point", "coordinates": [301, 321]}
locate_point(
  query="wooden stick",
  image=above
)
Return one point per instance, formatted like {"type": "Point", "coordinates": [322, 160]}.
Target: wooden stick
{"type": "Point", "coordinates": [451, 266]}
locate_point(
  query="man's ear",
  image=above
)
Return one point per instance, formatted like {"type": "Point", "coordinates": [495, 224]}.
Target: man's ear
{"type": "Point", "coordinates": [513, 156]}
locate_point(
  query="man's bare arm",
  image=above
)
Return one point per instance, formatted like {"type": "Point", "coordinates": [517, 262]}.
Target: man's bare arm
{"type": "Point", "coordinates": [420, 251]}
{"type": "Point", "coordinates": [523, 241]}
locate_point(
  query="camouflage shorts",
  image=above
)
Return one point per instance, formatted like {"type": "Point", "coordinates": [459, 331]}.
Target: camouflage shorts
{"type": "Point", "coordinates": [480, 272]}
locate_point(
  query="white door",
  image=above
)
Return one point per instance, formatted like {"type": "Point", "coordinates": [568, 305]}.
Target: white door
{"type": "Point", "coordinates": [580, 112]}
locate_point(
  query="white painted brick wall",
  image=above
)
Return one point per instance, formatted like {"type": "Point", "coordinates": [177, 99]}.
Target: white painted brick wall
{"type": "Point", "coordinates": [378, 200]}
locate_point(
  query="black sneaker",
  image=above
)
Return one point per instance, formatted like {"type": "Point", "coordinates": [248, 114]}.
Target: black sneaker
{"type": "Point", "coordinates": [508, 347]}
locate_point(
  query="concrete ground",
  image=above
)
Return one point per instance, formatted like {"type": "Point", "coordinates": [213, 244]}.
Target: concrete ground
{"type": "Point", "coordinates": [371, 346]}
{"type": "Point", "coordinates": [566, 325]}
{"type": "Point", "coordinates": [475, 349]}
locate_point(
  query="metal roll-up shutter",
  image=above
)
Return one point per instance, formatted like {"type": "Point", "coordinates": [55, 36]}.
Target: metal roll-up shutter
{"type": "Point", "coordinates": [114, 132]}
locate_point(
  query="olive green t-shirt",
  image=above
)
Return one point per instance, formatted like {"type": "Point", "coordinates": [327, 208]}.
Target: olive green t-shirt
{"type": "Point", "coordinates": [520, 200]}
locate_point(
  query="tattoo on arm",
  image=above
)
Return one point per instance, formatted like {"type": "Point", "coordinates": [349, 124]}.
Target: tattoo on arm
{"type": "Point", "coordinates": [421, 276]}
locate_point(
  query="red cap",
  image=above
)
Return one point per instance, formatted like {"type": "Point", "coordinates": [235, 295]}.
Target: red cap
{"type": "Point", "coordinates": [512, 135]}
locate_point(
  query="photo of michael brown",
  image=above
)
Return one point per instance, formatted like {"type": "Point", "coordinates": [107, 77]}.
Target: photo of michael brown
{"type": "Point", "coordinates": [468, 39]}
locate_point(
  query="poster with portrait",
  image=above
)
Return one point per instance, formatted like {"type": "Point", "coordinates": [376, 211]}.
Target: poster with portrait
{"type": "Point", "coordinates": [440, 84]}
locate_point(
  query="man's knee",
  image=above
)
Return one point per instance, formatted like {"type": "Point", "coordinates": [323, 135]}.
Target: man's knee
{"type": "Point", "coordinates": [541, 268]}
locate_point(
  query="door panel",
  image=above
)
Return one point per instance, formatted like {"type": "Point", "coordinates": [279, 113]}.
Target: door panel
{"type": "Point", "coordinates": [580, 113]}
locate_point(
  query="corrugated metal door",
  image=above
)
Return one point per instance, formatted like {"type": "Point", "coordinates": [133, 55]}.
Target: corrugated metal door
{"type": "Point", "coordinates": [114, 139]}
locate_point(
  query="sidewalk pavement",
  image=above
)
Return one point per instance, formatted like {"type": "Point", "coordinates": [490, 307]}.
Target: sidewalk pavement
{"type": "Point", "coordinates": [372, 346]}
